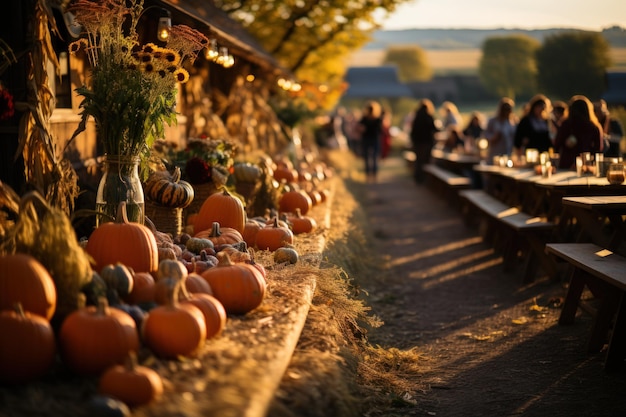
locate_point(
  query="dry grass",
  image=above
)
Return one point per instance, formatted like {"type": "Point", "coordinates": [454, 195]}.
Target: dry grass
{"type": "Point", "coordinates": [334, 371]}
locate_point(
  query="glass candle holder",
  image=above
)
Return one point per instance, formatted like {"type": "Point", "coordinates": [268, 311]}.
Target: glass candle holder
{"type": "Point", "coordinates": [615, 174]}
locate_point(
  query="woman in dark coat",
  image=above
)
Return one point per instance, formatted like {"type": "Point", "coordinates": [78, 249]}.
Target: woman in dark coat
{"type": "Point", "coordinates": [371, 129]}
{"type": "Point", "coordinates": [423, 129]}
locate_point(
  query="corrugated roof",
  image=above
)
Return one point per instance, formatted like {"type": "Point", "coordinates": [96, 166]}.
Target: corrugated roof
{"type": "Point", "coordinates": [375, 82]}
{"type": "Point", "coordinates": [229, 32]}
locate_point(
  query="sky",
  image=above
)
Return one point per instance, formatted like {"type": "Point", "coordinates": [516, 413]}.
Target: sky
{"type": "Point", "coordinates": [520, 14]}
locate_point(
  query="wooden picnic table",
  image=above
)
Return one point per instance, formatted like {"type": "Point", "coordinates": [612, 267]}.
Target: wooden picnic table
{"type": "Point", "coordinates": [599, 219]}
{"type": "Point", "coordinates": [458, 163]}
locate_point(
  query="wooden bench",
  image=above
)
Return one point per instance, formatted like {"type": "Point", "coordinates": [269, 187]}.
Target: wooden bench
{"type": "Point", "coordinates": [446, 183]}
{"type": "Point", "coordinates": [517, 234]}
{"type": "Point", "coordinates": [604, 274]}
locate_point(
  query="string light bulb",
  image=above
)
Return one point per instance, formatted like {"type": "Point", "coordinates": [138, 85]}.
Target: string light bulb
{"type": "Point", "coordinates": [211, 52]}
{"type": "Point", "coordinates": [164, 26]}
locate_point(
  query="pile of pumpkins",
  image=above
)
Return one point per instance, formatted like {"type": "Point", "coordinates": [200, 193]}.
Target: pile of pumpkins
{"type": "Point", "coordinates": [149, 290]}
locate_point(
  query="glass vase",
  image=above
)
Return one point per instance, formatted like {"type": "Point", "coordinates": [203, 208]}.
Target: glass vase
{"type": "Point", "coordinates": [120, 182]}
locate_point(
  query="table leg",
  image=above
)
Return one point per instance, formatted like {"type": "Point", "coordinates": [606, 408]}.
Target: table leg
{"type": "Point", "coordinates": [617, 346]}
{"type": "Point", "coordinates": [570, 305]}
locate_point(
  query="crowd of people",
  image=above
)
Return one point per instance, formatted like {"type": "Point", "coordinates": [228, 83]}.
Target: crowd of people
{"type": "Point", "coordinates": [567, 129]}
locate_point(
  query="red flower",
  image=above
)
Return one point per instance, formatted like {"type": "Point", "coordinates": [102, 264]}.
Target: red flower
{"type": "Point", "coordinates": [7, 109]}
{"type": "Point", "coordinates": [197, 171]}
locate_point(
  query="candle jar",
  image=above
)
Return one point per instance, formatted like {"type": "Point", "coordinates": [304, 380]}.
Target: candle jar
{"type": "Point", "coordinates": [615, 174]}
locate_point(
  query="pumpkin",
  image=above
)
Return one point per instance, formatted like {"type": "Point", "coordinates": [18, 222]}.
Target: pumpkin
{"type": "Point", "coordinates": [103, 405]}
{"type": "Point", "coordinates": [211, 308]}
{"type": "Point", "coordinates": [239, 287]}
{"type": "Point", "coordinates": [119, 278]}
{"type": "Point", "coordinates": [131, 383]}
{"type": "Point", "coordinates": [250, 230]}
{"type": "Point", "coordinates": [203, 262]}
{"type": "Point", "coordinates": [285, 173]}
{"type": "Point", "coordinates": [168, 189]}
{"type": "Point", "coordinates": [223, 208]}
{"type": "Point", "coordinates": [24, 280]}
{"type": "Point", "coordinates": [286, 255]}
{"type": "Point", "coordinates": [132, 244]}
{"type": "Point", "coordinates": [27, 347]}
{"type": "Point", "coordinates": [175, 329]}
{"type": "Point", "coordinates": [219, 235]}
{"type": "Point", "coordinates": [93, 338]}
{"type": "Point", "coordinates": [172, 268]}
{"type": "Point", "coordinates": [246, 172]}
{"type": "Point", "coordinates": [143, 288]}
{"type": "Point", "coordinates": [235, 254]}
{"type": "Point", "coordinates": [273, 236]}
{"type": "Point", "coordinates": [198, 244]}
{"type": "Point", "coordinates": [195, 284]}
{"type": "Point", "coordinates": [301, 223]}
{"type": "Point", "coordinates": [291, 200]}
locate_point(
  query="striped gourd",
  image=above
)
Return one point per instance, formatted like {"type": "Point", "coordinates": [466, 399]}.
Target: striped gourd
{"type": "Point", "coordinates": [167, 189]}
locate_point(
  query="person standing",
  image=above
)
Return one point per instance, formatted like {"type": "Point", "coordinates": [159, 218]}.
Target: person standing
{"type": "Point", "coordinates": [533, 130]}
{"type": "Point", "coordinates": [422, 134]}
{"type": "Point", "coordinates": [371, 128]}
{"type": "Point", "coordinates": [612, 128]}
{"type": "Point", "coordinates": [500, 129]}
{"type": "Point", "coordinates": [580, 132]}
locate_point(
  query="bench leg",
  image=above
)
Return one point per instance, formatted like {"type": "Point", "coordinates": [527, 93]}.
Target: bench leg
{"type": "Point", "coordinates": [570, 305]}
{"type": "Point", "coordinates": [602, 324]}
{"type": "Point", "coordinates": [617, 346]}
{"type": "Point", "coordinates": [548, 264]}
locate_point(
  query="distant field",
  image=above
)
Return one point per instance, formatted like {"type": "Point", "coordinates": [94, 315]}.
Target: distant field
{"type": "Point", "coordinates": [457, 60]}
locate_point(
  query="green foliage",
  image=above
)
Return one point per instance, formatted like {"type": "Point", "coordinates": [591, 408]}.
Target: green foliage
{"type": "Point", "coordinates": [132, 91]}
{"type": "Point", "coordinates": [573, 63]}
{"type": "Point", "coordinates": [507, 67]}
{"type": "Point", "coordinates": [411, 61]}
{"type": "Point", "coordinates": [311, 38]}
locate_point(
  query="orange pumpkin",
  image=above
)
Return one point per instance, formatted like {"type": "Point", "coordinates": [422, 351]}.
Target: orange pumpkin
{"type": "Point", "coordinates": [273, 236]}
{"type": "Point", "coordinates": [132, 244]}
{"type": "Point", "coordinates": [250, 230]}
{"type": "Point", "coordinates": [93, 338]}
{"type": "Point", "coordinates": [143, 288]}
{"type": "Point", "coordinates": [212, 309]}
{"type": "Point", "coordinates": [220, 235]}
{"type": "Point", "coordinates": [27, 348]}
{"type": "Point", "coordinates": [131, 383]}
{"type": "Point", "coordinates": [223, 208]}
{"type": "Point", "coordinates": [239, 286]}
{"type": "Point", "coordinates": [195, 284]}
{"type": "Point", "coordinates": [291, 200]}
{"type": "Point", "coordinates": [300, 223]}
{"type": "Point", "coordinates": [26, 281]}
{"type": "Point", "coordinates": [175, 329]}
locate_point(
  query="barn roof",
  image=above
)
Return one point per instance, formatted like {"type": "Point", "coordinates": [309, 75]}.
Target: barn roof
{"type": "Point", "coordinates": [230, 32]}
{"type": "Point", "coordinates": [375, 82]}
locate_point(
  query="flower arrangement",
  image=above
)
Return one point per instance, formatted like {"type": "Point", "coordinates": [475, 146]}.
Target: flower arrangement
{"type": "Point", "coordinates": [132, 88]}
{"type": "Point", "coordinates": [202, 161]}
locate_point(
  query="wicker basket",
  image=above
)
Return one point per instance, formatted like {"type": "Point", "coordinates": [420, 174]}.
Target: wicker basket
{"type": "Point", "coordinates": [165, 219]}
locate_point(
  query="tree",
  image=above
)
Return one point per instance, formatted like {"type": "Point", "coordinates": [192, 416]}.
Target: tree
{"type": "Point", "coordinates": [310, 37]}
{"type": "Point", "coordinates": [573, 63]}
{"type": "Point", "coordinates": [508, 67]}
{"type": "Point", "coordinates": [411, 61]}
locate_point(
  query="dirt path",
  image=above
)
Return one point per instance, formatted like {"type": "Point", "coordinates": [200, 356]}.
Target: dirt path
{"type": "Point", "coordinates": [491, 346]}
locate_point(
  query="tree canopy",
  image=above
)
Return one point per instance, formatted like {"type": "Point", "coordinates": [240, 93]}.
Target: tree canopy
{"type": "Point", "coordinates": [311, 37]}
{"type": "Point", "coordinates": [507, 67]}
{"type": "Point", "coordinates": [573, 63]}
{"type": "Point", "coordinates": [411, 61]}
